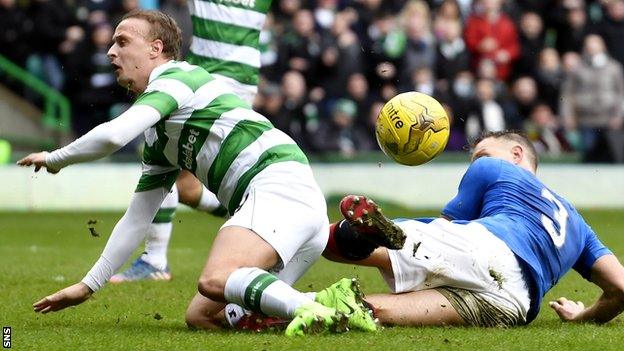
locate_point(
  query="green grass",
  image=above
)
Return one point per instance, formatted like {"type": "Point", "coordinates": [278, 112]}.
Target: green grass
{"type": "Point", "coordinates": [43, 252]}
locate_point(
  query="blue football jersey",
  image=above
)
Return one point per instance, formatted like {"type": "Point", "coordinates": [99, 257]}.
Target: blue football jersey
{"type": "Point", "coordinates": [544, 231]}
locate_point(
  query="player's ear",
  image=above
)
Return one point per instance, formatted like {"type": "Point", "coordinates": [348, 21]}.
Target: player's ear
{"type": "Point", "coordinates": [156, 48]}
{"type": "Point", "coordinates": [517, 153]}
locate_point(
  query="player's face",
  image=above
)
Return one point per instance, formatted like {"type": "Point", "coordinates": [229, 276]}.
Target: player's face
{"type": "Point", "coordinates": [497, 148]}
{"type": "Point", "coordinates": [130, 54]}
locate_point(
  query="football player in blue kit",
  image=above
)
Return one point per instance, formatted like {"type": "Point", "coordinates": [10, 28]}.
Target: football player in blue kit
{"type": "Point", "coordinates": [499, 246]}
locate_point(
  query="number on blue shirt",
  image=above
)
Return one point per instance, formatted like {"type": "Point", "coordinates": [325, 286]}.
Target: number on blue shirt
{"type": "Point", "coordinates": [560, 215]}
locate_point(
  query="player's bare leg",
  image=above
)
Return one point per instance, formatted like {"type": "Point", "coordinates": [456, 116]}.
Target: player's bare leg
{"type": "Point", "coordinates": [416, 308]}
{"type": "Point", "coordinates": [189, 188]}
{"type": "Point", "coordinates": [193, 194]}
{"type": "Point", "coordinates": [378, 259]}
{"type": "Point", "coordinates": [236, 271]}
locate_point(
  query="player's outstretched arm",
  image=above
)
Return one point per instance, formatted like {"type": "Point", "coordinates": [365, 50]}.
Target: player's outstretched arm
{"type": "Point", "coordinates": [127, 235]}
{"type": "Point", "coordinates": [70, 296]}
{"type": "Point", "coordinates": [101, 141]}
{"type": "Point", "coordinates": [608, 273]}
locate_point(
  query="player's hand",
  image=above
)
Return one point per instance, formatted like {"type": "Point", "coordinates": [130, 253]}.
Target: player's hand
{"type": "Point", "coordinates": [38, 160]}
{"type": "Point", "coordinates": [70, 296]}
{"type": "Point", "coordinates": [566, 309]}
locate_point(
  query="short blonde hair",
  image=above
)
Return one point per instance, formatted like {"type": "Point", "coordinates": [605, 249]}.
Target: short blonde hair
{"type": "Point", "coordinates": [163, 27]}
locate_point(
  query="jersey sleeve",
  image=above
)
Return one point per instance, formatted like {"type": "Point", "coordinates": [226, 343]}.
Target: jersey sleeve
{"type": "Point", "coordinates": [466, 205]}
{"type": "Point", "coordinates": [104, 139]}
{"type": "Point", "coordinates": [593, 250]}
{"type": "Point", "coordinates": [166, 94]}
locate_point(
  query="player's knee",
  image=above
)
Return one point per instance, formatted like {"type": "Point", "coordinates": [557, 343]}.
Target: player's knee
{"type": "Point", "coordinates": [189, 197]}
{"type": "Point", "coordinates": [189, 189]}
{"type": "Point", "coordinates": [212, 287]}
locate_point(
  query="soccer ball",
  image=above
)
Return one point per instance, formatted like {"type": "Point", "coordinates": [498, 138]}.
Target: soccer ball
{"type": "Point", "coordinates": [412, 128]}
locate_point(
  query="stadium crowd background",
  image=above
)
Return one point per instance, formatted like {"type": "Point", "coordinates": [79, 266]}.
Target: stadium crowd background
{"type": "Point", "coordinates": [552, 68]}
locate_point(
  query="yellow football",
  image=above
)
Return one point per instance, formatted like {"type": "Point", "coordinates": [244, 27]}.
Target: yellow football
{"type": "Point", "coordinates": [412, 128]}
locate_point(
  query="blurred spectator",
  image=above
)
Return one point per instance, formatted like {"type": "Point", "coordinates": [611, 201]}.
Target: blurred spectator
{"type": "Point", "coordinates": [341, 133]}
{"type": "Point", "coordinates": [462, 94]}
{"type": "Point", "coordinates": [325, 13]}
{"type": "Point", "coordinates": [424, 82]}
{"type": "Point", "coordinates": [491, 35]}
{"type": "Point", "coordinates": [179, 11]}
{"type": "Point", "coordinates": [544, 130]}
{"type": "Point", "coordinates": [298, 117]}
{"type": "Point", "coordinates": [524, 97]}
{"type": "Point", "coordinates": [300, 47]}
{"type": "Point", "coordinates": [447, 11]}
{"type": "Point", "coordinates": [549, 77]}
{"type": "Point", "coordinates": [591, 100]}
{"type": "Point", "coordinates": [488, 114]}
{"type": "Point", "coordinates": [365, 12]}
{"type": "Point", "coordinates": [284, 13]}
{"type": "Point", "coordinates": [452, 54]}
{"type": "Point", "coordinates": [420, 49]}
{"type": "Point", "coordinates": [487, 70]}
{"type": "Point", "coordinates": [572, 31]}
{"type": "Point", "coordinates": [340, 58]}
{"type": "Point", "coordinates": [385, 48]}
{"type": "Point", "coordinates": [569, 62]}
{"type": "Point", "coordinates": [268, 101]}
{"type": "Point", "coordinates": [611, 29]}
{"type": "Point", "coordinates": [16, 31]}
{"type": "Point", "coordinates": [358, 92]}
{"type": "Point", "coordinates": [126, 6]}
{"type": "Point", "coordinates": [57, 34]}
{"type": "Point", "coordinates": [531, 42]}
{"type": "Point", "coordinates": [91, 84]}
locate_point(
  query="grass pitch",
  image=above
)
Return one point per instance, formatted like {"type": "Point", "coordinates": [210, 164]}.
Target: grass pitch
{"type": "Point", "coordinates": [43, 252]}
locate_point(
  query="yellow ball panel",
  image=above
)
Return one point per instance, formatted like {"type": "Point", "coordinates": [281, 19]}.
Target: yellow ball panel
{"type": "Point", "coordinates": [412, 128]}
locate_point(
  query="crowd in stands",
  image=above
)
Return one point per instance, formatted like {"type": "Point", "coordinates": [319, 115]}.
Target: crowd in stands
{"type": "Point", "coordinates": [552, 68]}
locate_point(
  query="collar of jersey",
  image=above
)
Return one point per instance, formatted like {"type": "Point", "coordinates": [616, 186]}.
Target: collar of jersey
{"type": "Point", "coordinates": [160, 69]}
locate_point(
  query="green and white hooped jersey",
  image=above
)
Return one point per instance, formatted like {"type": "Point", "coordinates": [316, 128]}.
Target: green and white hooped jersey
{"type": "Point", "coordinates": [208, 130]}
{"type": "Point", "coordinates": [225, 37]}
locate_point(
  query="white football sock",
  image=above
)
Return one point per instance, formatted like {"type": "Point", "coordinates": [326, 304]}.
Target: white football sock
{"type": "Point", "coordinates": [257, 290]}
{"type": "Point", "coordinates": [157, 238]}
{"type": "Point", "coordinates": [208, 201]}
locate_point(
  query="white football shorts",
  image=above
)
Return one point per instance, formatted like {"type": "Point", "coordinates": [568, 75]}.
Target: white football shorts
{"type": "Point", "coordinates": [285, 207]}
{"type": "Point", "coordinates": [442, 254]}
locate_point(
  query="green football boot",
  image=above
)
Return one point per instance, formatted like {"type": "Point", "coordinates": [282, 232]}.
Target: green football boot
{"type": "Point", "coordinates": [346, 297]}
{"type": "Point", "coordinates": [314, 318]}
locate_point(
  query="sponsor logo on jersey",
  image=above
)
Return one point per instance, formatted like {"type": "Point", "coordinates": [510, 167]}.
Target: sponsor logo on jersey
{"type": "Point", "coordinates": [188, 148]}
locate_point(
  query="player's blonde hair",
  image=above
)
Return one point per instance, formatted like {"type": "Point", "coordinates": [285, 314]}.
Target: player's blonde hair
{"type": "Point", "coordinates": [162, 27]}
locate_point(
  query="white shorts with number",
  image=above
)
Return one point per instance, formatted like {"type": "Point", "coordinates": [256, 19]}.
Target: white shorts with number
{"type": "Point", "coordinates": [468, 257]}
{"type": "Point", "coordinates": [285, 207]}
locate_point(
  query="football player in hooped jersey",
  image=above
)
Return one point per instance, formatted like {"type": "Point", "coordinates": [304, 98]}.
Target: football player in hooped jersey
{"type": "Point", "coordinates": [193, 121]}
{"type": "Point", "coordinates": [225, 42]}
{"type": "Point", "coordinates": [503, 242]}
